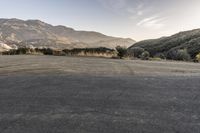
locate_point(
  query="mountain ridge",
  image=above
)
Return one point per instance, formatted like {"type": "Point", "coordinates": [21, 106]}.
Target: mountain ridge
{"type": "Point", "coordinates": [189, 40]}
{"type": "Point", "coordinates": [23, 32]}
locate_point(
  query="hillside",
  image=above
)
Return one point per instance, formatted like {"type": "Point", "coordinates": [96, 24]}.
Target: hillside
{"type": "Point", "coordinates": [189, 40]}
{"type": "Point", "coordinates": [35, 33]}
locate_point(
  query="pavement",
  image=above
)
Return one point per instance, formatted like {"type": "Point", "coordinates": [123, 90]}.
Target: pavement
{"type": "Point", "coordinates": [48, 94]}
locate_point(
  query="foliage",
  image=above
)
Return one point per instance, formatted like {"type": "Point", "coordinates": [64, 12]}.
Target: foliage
{"type": "Point", "coordinates": [189, 40]}
{"type": "Point", "coordinates": [19, 51]}
{"type": "Point", "coordinates": [183, 55]}
{"type": "Point", "coordinates": [145, 55]}
{"type": "Point", "coordinates": [136, 51]}
{"type": "Point", "coordinates": [198, 57]}
{"type": "Point", "coordinates": [49, 51]}
{"type": "Point", "coordinates": [121, 51]}
{"type": "Point", "coordinates": [180, 54]}
{"type": "Point", "coordinates": [155, 59]}
{"type": "Point", "coordinates": [160, 55]}
{"type": "Point", "coordinates": [77, 51]}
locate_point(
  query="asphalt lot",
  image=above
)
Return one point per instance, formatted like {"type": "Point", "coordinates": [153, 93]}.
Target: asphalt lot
{"type": "Point", "coordinates": [47, 94]}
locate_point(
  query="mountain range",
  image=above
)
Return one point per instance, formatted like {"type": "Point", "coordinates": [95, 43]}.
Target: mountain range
{"type": "Point", "coordinates": [16, 33]}
{"type": "Point", "coordinates": [189, 40]}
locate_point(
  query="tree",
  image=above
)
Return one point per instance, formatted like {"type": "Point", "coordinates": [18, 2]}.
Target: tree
{"type": "Point", "coordinates": [183, 55]}
{"type": "Point", "coordinates": [180, 54]}
{"type": "Point", "coordinates": [121, 51]}
{"type": "Point", "coordinates": [136, 51]}
{"type": "Point", "coordinates": [145, 55]}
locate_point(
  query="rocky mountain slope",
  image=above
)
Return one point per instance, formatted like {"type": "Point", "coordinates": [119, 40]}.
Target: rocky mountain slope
{"type": "Point", "coordinates": [189, 40]}
{"type": "Point", "coordinates": [35, 33]}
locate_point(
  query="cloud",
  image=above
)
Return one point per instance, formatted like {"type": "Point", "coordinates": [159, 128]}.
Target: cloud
{"type": "Point", "coordinates": [128, 6]}
{"type": "Point", "coordinates": [114, 4]}
{"type": "Point", "coordinates": [138, 11]}
{"type": "Point", "coordinates": [154, 22]}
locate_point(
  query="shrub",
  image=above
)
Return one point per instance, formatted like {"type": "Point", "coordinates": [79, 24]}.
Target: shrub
{"type": "Point", "coordinates": [183, 55]}
{"type": "Point", "coordinates": [136, 51]}
{"type": "Point", "coordinates": [155, 59]}
{"type": "Point", "coordinates": [197, 58]}
{"type": "Point", "coordinates": [160, 55]}
{"type": "Point", "coordinates": [121, 51]}
{"type": "Point", "coordinates": [180, 54]}
{"type": "Point", "coordinates": [47, 51]}
{"type": "Point", "coordinates": [130, 53]}
{"type": "Point", "coordinates": [171, 54]}
{"type": "Point", "coordinates": [58, 53]}
{"type": "Point", "coordinates": [19, 51]}
{"type": "Point", "coordinates": [145, 55]}
{"type": "Point", "coordinates": [101, 51]}
{"type": "Point", "coordinates": [22, 51]}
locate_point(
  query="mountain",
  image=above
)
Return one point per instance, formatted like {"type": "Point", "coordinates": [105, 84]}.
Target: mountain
{"type": "Point", "coordinates": [189, 40]}
{"type": "Point", "coordinates": [35, 33]}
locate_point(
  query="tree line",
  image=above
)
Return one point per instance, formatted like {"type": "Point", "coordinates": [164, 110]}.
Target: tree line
{"type": "Point", "coordinates": [173, 54]}
{"type": "Point", "coordinates": [118, 52]}
{"type": "Point", "coordinates": [70, 52]}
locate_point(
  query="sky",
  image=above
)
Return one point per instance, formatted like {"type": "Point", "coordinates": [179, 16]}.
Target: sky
{"type": "Point", "coordinates": [136, 19]}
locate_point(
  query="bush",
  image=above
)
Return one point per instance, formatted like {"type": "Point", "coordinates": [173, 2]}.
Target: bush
{"type": "Point", "coordinates": [171, 54]}
{"type": "Point", "coordinates": [101, 51]}
{"type": "Point", "coordinates": [47, 51]}
{"type": "Point", "coordinates": [22, 51]}
{"type": "Point", "coordinates": [145, 55]}
{"type": "Point", "coordinates": [197, 58]}
{"type": "Point", "coordinates": [58, 53]}
{"type": "Point", "coordinates": [181, 55]}
{"type": "Point", "coordinates": [136, 51]}
{"type": "Point", "coordinates": [130, 53]}
{"type": "Point", "coordinates": [155, 59]}
{"type": "Point", "coordinates": [160, 55]}
{"type": "Point", "coordinates": [121, 51]}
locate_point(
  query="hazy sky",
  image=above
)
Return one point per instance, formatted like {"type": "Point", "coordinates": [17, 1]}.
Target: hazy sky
{"type": "Point", "coordinates": [137, 19]}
